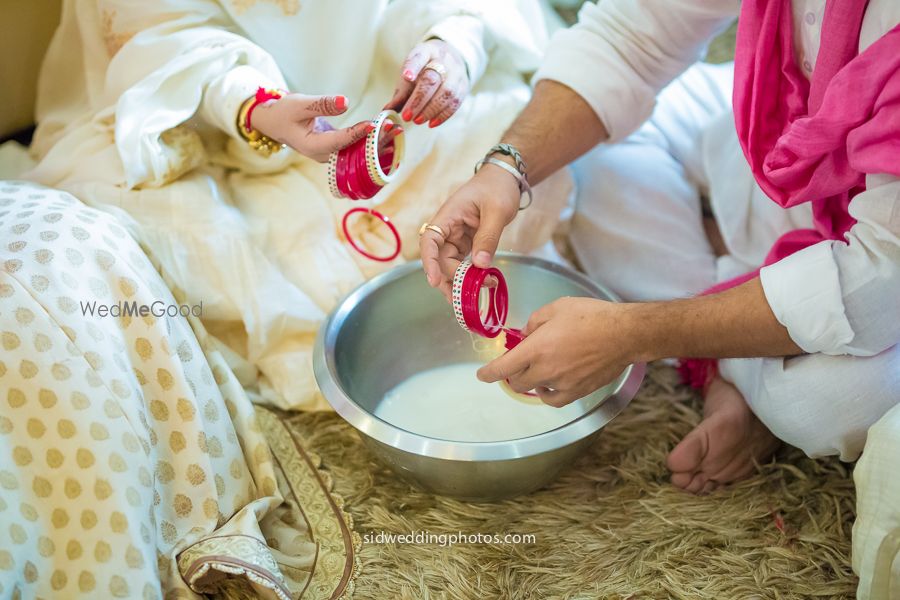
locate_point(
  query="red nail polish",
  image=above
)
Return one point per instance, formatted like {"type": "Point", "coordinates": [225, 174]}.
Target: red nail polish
{"type": "Point", "coordinates": [388, 127]}
{"type": "Point", "coordinates": [370, 127]}
{"type": "Point", "coordinates": [340, 102]}
{"type": "Point", "coordinates": [408, 75]}
{"type": "Point", "coordinates": [407, 114]}
{"type": "Point", "coordinates": [434, 123]}
{"type": "Point", "coordinates": [419, 120]}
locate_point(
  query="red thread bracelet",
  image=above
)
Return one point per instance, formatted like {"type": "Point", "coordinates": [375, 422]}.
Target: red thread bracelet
{"type": "Point", "coordinates": [262, 95]}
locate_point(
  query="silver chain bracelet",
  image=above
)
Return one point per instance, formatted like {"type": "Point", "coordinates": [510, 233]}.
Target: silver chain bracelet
{"type": "Point", "coordinates": [519, 172]}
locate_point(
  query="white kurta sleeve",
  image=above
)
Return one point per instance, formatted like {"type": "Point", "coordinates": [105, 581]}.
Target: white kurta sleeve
{"type": "Point", "coordinates": [468, 36]}
{"type": "Point", "coordinates": [176, 59]}
{"type": "Point", "coordinates": [225, 94]}
{"type": "Point", "coordinates": [507, 31]}
{"type": "Point", "coordinates": [621, 53]}
{"type": "Point", "coordinates": [844, 298]}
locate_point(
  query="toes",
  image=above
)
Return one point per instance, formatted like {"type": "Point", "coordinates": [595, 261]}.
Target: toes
{"type": "Point", "coordinates": [689, 452]}
{"type": "Point", "coordinates": [708, 487]}
{"type": "Point", "coordinates": [681, 480]}
{"type": "Point", "coordinates": [741, 467]}
{"type": "Point", "coordinates": [697, 483]}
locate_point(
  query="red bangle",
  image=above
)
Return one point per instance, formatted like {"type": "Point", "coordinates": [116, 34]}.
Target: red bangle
{"type": "Point", "coordinates": [262, 95]}
{"type": "Point", "coordinates": [345, 181]}
{"type": "Point", "coordinates": [513, 337]}
{"type": "Point", "coordinates": [466, 296]}
{"type": "Point", "coordinates": [360, 170]}
{"type": "Point", "coordinates": [384, 220]}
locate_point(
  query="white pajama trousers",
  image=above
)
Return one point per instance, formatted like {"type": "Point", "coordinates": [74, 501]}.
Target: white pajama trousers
{"type": "Point", "coordinates": [638, 229]}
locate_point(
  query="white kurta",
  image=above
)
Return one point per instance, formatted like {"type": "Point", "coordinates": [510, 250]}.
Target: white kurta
{"type": "Point", "coordinates": [638, 228]}
{"type": "Point", "coordinates": [826, 294]}
{"type": "Point", "coordinates": [137, 111]}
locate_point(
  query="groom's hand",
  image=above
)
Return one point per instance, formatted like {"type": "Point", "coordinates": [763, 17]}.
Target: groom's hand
{"type": "Point", "coordinates": [472, 219]}
{"type": "Point", "coordinates": [572, 347]}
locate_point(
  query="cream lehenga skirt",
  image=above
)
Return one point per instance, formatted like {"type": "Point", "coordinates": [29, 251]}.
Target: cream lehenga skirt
{"type": "Point", "coordinates": [132, 463]}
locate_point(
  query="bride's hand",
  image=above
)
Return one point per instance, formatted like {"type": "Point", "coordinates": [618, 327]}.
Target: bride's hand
{"type": "Point", "coordinates": [433, 84]}
{"type": "Point", "coordinates": [296, 120]}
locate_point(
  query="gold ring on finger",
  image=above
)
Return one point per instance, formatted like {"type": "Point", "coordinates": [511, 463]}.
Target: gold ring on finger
{"type": "Point", "coordinates": [435, 228]}
{"type": "Point", "coordinates": [438, 68]}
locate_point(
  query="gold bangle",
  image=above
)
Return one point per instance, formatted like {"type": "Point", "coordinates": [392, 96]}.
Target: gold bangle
{"type": "Point", "coordinates": [256, 140]}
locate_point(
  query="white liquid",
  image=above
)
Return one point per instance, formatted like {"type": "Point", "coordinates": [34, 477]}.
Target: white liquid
{"type": "Point", "coordinates": [450, 403]}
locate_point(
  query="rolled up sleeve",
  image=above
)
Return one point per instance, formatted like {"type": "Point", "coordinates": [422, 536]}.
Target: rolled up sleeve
{"type": "Point", "coordinates": [226, 93]}
{"type": "Point", "coordinates": [844, 298]}
{"type": "Point", "coordinates": [621, 53]}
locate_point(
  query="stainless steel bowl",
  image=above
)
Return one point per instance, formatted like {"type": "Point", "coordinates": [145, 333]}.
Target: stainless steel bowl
{"type": "Point", "coordinates": [395, 326]}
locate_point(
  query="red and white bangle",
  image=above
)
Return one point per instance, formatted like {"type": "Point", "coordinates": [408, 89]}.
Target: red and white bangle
{"type": "Point", "coordinates": [360, 170]}
{"type": "Point", "coordinates": [377, 172]}
{"type": "Point", "coordinates": [466, 298]}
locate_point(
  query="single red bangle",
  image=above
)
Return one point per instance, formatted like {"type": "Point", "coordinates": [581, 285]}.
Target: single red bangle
{"type": "Point", "coordinates": [262, 95]}
{"type": "Point", "coordinates": [367, 187]}
{"type": "Point", "coordinates": [347, 163]}
{"type": "Point", "coordinates": [513, 338]}
{"type": "Point", "coordinates": [341, 178]}
{"type": "Point", "coordinates": [384, 220]}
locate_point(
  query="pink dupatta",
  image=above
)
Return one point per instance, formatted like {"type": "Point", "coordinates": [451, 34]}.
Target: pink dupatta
{"type": "Point", "coordinates": [811, 141]}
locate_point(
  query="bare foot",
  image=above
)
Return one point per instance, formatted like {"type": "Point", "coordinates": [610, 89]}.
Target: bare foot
{"type": "Point", "coordinates": [724, 446]}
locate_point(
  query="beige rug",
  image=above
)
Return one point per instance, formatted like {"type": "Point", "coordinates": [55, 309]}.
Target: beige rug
{"type": "Point", "coordinates": [611, 526]}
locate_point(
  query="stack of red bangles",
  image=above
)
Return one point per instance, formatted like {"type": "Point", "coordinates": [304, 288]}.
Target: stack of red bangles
{"type": "Point", "coordinates": [468, 282]}
{"type": "Point", "coordinates": [466, 296]}
{"type": "Point", "coordinates": [360, 170]}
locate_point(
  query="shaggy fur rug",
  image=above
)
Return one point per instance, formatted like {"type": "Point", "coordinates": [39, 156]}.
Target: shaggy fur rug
{"type": "Point", "coordinates": [611, 526]}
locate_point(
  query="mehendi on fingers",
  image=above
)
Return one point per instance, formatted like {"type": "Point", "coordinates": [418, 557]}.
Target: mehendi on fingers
{"type": "Point", "coordinates": [438, 104]}
{"type": "Point", "coordinates": [357, 132]}
{"type": "Point", "coordinates": [429, 82]}
{"type": "Point", "coordinates": [448, 111]}
{"type": "Point", "coordinates": [323, 105]}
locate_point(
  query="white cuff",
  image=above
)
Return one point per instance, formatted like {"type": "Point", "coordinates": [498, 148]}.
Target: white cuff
{"type": "Point", "coordinates": [466, 34]}
{"type": "Point", "coordinates": [224, 96]}
{"type": "Point", "coordinates": [804, 292]}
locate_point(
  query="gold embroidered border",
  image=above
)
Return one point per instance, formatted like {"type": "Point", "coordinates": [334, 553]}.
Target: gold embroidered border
{"type": "Point", "coordinates": [337, 560]}
{"type": "Point", "coordinates": [220, 553]}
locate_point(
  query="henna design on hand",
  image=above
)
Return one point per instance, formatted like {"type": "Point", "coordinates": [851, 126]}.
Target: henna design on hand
{"type": "Point", "coordinates": [324, 105]}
